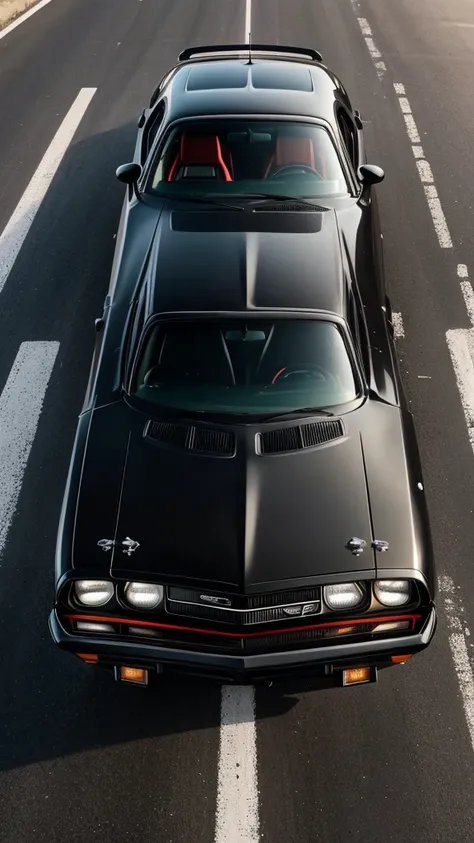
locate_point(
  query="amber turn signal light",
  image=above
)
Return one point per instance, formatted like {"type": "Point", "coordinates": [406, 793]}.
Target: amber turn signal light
{"type": "Point", "coordinates": [356, 675]}
{"type": "Point", "coordinates": [137, 675]}
{"type": "Point", "coordinates": [88, 657]}
{"type": "Point", "coordinates": [401, 659]}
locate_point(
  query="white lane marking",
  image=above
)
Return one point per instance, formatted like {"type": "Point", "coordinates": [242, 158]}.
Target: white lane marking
{"type": "Point", "coordinates": [404, 105]}
{"type": "Point", "coordinates": [237, 817]}
{"type": "Point", "coordinates": [248, 20]}
{"type": "Point", "coordinates": [22, 218]}
{"type": "Point", "coordinates": [424, 172]}
{"type": "Point", "coordinates": [23, 17]}
{"type": "Point", "coordinates": [411, 128]}
{"type": "Point", "coordinates": [437, 215]}
{"type": "Point", "coordinates": [418, 151]}
{"type": "Point", "coordinates": [461, 346]}
{"type": "Point", "coordinates": [458, 633]}
{"type": "Point", "coordinates": [467, 291]}
{"type": "Point", "coordinates": [374, 52]}
{"type": "Point", "coordinates": [398, 326]}
{"type": "Point", "coordinates": [20, 408]}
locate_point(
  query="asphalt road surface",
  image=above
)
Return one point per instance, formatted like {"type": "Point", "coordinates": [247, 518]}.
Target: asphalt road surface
{"type": "Point", "coordinates": [82, 758]}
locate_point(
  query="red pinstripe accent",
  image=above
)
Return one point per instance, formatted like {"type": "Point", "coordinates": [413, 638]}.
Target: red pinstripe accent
{"type": "Point", "coordinates": [328, 624]}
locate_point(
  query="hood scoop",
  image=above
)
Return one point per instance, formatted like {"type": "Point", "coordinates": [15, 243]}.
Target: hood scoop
{"type": "Point", "coordinates": [189, 437]}
{"type": "Point", "coordinates": [299, 437]}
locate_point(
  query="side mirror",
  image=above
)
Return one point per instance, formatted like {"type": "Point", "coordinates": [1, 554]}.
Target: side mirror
{"type": "Point", "coordinates": [129, 173]}
{"type": "Point", "coordinates": [370, 174]}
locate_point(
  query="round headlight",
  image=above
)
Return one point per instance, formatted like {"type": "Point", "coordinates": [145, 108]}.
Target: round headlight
{"type": "Point", "coordinates": [392, 592]}
{"type": "Point", "coordinates": [93, 592]}
{"type": "Point", "coordinates": [143, 595]}
{"type": "Point", "coordinates": [345, 595]}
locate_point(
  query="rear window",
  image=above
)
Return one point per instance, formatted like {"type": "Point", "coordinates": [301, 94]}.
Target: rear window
{"type": "Point", "coordinates": [243, 367]}
{"type": "Point", "coordinates": [237, 156]}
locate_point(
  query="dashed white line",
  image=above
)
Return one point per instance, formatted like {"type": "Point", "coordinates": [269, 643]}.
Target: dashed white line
{"type": "Point", "coordinates": [23, 17]}
{"type": "Point", "coordinates": [467, 291]}
{"type": "Point", "coordinates": [237, 816]}
{"type": "Point", "coordinates": [411, 128]}
{"type": "Point", "coordinates": [437, 215]}
{"type": "Point", "coordinates": [20, 407]}
{"type": "Point", "coordinates": [22, 218]}
{"type": "Point", "coordinates": [424, 172]}
{"type": "Point", "coordinates": [398, 327]}
{"type": "Point", "coordinates": [458, 634]}
{"type": "Point", "coordinates": [374, 52]}
{"type": "Point", "coordinates": [461, 347]}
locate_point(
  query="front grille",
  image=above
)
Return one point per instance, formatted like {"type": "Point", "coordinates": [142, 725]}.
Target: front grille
{"type": "Point", "coordinates": [241, 610]}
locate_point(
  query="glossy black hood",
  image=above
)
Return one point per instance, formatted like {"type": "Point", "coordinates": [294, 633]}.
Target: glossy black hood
{"type": "Point", "coordinates": [243, 520]}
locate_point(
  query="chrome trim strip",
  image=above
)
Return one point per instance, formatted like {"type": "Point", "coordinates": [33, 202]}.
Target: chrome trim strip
{"type": "Point", "coordinates": [246, 611]}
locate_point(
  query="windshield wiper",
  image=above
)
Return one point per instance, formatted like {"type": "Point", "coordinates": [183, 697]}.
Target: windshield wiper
{"type": "Point", "coordinates": [281, 197]}
{"type": "Point", "coordinates": [306, 411]}
{"type": "Point", "coordinates": [204, 200]}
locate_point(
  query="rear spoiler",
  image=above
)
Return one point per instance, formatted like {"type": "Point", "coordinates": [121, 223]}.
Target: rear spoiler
{"type": "Point", "coordinates": [274, 49]}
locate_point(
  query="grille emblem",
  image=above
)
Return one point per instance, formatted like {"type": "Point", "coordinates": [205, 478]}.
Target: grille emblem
{"type": "Point", "coordinates": [302, 609]}
{"type": "Point", "coordinates": [216, 601]}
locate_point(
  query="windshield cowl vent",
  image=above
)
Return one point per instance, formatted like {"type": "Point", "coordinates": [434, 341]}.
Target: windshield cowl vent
{"type": "Point", "coordinates": [299, 437]}
{"type": "Point", "coordinates": [218, 443]}
{"type": "Point", "coordinates": [288, 207]}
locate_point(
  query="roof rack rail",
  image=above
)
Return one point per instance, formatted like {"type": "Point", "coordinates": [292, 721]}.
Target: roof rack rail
{"type": "Point", "coordinates": [256, 48]}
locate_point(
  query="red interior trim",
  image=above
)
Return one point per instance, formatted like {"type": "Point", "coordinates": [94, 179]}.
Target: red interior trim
{"type": "Point", "coordinates": [155, 625]}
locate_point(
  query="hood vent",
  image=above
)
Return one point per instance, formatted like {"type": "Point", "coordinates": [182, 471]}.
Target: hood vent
{"type": "Point", "coordinates": [300, 437]}
{"type": "Point", "coordinates": [191, 438]}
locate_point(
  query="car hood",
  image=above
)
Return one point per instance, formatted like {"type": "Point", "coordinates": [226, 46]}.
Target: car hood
{"type": "Point", "coordinates": [243, 520]}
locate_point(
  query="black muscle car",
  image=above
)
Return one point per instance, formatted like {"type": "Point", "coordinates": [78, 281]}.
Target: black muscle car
{"type": "Point", "coordinates": [245, 499]}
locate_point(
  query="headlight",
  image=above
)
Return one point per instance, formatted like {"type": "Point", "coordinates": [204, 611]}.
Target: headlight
{"type": "Point", "coordinates": [93, 592]}
{"type": "Point", "coordinates": [143, 595]}
{"type": "Point", "coordinates": [345, 595]}
{"type": "Point", "coordinates": [392, 592]}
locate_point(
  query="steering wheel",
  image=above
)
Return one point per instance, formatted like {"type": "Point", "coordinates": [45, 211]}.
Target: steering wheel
{"type": "Point", "coordinates": [310, 371]}
{"type": "Point", "coordinates": [296, 169]}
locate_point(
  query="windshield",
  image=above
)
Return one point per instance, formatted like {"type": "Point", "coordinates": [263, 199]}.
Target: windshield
{"type": "Point", "coordinates": [238, 366]}
{"type": "Point", "coordinates": [237, 156]}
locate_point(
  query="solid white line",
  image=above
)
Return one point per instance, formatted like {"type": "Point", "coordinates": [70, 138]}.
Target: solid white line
{"type": "Point", "coordinates": [457, 641]}
{"type": "Point", "coordinates": [237, 818]}
{"type": "Point", "coordinates": [439, 220]}
{"type": "Point", "coordinates": [365, 28]}
{"type": "Point", "coordinates": [20, 408]}
{"type": "Point", "coordinates": [23, 17]}
{"type": "Point", "coordinates": [460, 344]}
{"type": "Point", "coordinates": [398, 327]}
{"type": "Point", "coordinates": [22, 218]}
{"type": "Point", "coordinates": [248, 20]}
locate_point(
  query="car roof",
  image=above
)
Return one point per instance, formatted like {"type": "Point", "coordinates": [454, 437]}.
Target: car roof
{"type": "Point", "coordinates": [221, 262]}
{"type": "Point", "coordinates": [270, 86]}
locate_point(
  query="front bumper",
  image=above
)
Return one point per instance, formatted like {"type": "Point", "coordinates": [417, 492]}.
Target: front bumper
{"type": "Point", "coordinates": [323, 662]}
